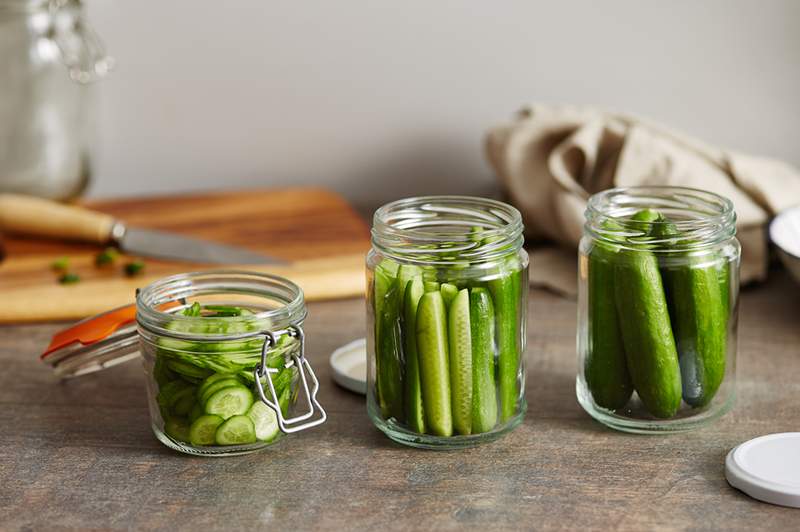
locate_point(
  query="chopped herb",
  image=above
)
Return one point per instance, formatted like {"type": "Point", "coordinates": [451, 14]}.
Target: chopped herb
{"type": "Point", "coordinates": [106, 257]}
{"type": "Point", "coordinates": [60, 265]}
{"type": "Point", "coordinates": [134, 268]}
{"type": "Point", "coordinates": [69, 278]}
{"type": "Point", "coordinates": [194, 310]}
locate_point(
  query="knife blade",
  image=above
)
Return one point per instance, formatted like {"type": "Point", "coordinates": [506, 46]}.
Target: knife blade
{"type": "Point", "coordinates": [40, 217]}
{"type": "Point", "coordinates": [169, 246]}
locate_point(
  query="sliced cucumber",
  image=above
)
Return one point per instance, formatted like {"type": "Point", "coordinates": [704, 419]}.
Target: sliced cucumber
{"type": "Point", "coordinates": [484, 395]}
{"type": "Point", "coordinates": [433, 363]}
{"type": "Point", "coordinates": [183, 402]}
{"type": "Point", "coordinates": [204, 430]}
{"type": "Point", "coordinates": [449, 293]}
{"type": "Point", "coordinates": [460, 337]}
{"type": "Point", "coordinates": [230, 401]}
{"type": "Point", "coordinates": [415, 414]}
{"type": "Point", "coordinates": [188, 370]}
{"type": "Point", "coordinates": [216, 386]}
{"type": "Point", "coordinates": [177, 429]}
{"type": "Point", "coordinates": [264, 420]}
{"type": "Point", "coordinates": [237, 430]}
{"type": "Point", "coordinates": [196, 412]}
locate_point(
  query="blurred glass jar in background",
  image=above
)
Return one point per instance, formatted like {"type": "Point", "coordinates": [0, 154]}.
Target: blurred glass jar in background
{"type": "Point", "coordinates": [48, 55]}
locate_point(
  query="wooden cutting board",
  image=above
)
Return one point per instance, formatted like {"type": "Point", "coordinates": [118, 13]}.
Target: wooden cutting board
{"type": "Point", "coordinates": [316, 230]}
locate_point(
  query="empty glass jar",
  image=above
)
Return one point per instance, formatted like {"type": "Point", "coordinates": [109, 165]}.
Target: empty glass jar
{"type": "Point", "coordinates": [447, 300]}
{"type": "Point", "coordinates": [657, 311]}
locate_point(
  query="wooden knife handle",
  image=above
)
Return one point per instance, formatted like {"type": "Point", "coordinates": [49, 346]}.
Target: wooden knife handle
{"type": "Point", "coordinates": [40, 217]}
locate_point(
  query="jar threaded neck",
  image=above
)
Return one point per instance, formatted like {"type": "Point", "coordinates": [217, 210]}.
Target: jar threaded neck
{"type": "Point", "coordinates": [447, 229]}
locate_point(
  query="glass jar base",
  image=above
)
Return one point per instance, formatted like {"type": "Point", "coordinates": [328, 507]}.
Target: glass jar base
{"type": "Point", "coordinates": [651, 426]}
{"type": "Point", "coordinates": [404, 436]}
{"type": "Point", "coordinates": [228, 450]}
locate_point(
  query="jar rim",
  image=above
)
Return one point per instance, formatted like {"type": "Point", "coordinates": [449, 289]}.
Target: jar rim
{"type": "Point", "coordinates": [700, 217]}
{"type": "Point", "coordinates": [442, 229]}
{"type": "Point", "coordinates": [151, 315]}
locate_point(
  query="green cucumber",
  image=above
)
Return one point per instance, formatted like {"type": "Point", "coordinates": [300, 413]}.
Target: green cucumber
{"type": "Point", "coordinates": [460, 350]}
{"type": "Point", "coordinates": [208, 381]}
{"type": "Point", "coordinates": [506, 295]}
{"type": "Point", "coordinates": [484, 398]}
{"type": "Point", "coordinates": [177, 429]}
{"type": "Point", "coordinates": [183, 402]}
{"type": "Point", "coordinates": [606, 369]}
{"type": "Point", "coordinates": [238, 430]}
{"type": "Point", "coordinates": [697, 288]}
{"type": "Point", "coordinates": [196, 412]}
{"type": "Point", "coordinates": [214, 387]}
{"type": "Point", "coordinates": [431, 330]}
{"type": "Point", "coordinates": [449, 293]}
{"type": "Point", "coordinates": [229, 401]}
{"type": "Point", "coordinates": [415, 414]}
{"type": "Point", "coordinates": [700, 328]}
{"type": "Point", "coordinates": [646, 329]}
{"type": "Point", "coordinates": [184, 368]}
{"type": "Point", "coordinates": [265, 421]}
{"type": "Point", "coordinates": [431, 286]}
{"type": "Point", "coordinates": [389, 357]}
{"type": "Point", "coordinates": [204, 429]}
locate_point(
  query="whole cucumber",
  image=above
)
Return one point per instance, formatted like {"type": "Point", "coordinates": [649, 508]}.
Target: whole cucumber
{"type": "Point", "coordinates": [646, 329]}
{"type": "Point", "coordinates": [433, 363]}
{"type": "Point", "coordinates": [606, 369]}
{"type": "Point", "coordinates": [698, 295]}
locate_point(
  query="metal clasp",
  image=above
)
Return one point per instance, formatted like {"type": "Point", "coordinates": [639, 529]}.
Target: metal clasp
{"type": "Point", "coordinates": [262, 370]}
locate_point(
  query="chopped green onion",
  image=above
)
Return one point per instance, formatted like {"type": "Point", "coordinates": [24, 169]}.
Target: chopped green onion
{"type": "Point", "coordinates": [106, 257]}
{"type": "Point", "coordinates": [134, 268]}
{"type": "Point", "coordinates": [60, 265]}
{"type": "Point", "coordinates": [69, 278]}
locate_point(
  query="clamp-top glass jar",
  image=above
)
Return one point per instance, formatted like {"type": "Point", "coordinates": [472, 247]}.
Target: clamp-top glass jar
{"type": "Point", "coordinates": [223, 353]}
{"type": "Point", "coordinates": [657, 314]}
{"type": "Point", "coordinates": [447, 299]}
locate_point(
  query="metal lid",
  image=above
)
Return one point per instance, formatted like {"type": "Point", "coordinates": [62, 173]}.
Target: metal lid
{"type": "Point", "coordinates": [349, 364]}
{"type": "Point", "coordinates": [767, 468]}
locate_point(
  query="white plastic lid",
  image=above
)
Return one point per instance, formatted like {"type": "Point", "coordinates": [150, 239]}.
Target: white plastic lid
{"type": "Point", "coordinates": [767, 468]}
{"type": "Point", "coordinates": [349, 364]}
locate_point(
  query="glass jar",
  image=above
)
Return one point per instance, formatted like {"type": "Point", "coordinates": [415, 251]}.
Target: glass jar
{"type": "Point", "coordinates": [447, 299]}
{"type": "Point", "coordinates": [223, 354]}
{"type": "Point", "coordinates": [48, 54]}
{"type": "Point", "coordinates": [657, 309]}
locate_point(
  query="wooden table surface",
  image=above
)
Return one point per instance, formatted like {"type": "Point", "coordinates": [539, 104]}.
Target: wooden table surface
{"type": "Point", "coordinates": [80, 454]}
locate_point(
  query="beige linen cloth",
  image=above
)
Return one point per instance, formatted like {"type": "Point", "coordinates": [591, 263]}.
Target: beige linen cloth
{"type": "Point", "coordinates": [551, 158]}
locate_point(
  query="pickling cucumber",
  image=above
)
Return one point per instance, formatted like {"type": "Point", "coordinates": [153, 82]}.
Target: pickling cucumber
{"type": "Point", "coordinates": [389, 357]}
{"type": "Point", "coordinates": [646, 329]}
{"type": "Point", "coordinates": [484, 396]}
{"type": "Point", "coordinates": [449, 293]}
{"type": "Point", "coordinates": [204, 429]}
{"type": "Point", "coordinates": [606, 369]}
{"type": "Point", "coordinates": [505, 292]}
{"type": "Point", "coordinates": [460, 350]}
{"type": "Point", "coordinates": [265, 421]}
{"type": "Point", "coordinates": [431, 286]}
{"type": "Point", "coordinates": [229, 401]}
{"type": "Point", "coordinates": [697, 288]}
{"type": "Point", "coordinates": [238, 430]}
{"type": "Point", "coordinates": [415, 414]}
{"type": "Point", "coordinates": [432, 349]}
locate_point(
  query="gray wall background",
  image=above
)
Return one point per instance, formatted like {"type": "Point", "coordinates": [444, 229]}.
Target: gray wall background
{"type": "Point", "coordinates": [380, 100]}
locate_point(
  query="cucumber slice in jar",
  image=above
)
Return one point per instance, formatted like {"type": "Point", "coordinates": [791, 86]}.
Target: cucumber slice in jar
{"type": "Point", "coordinates": [460, 338]}
{"type": "Point", "coordinates": [204, 430]}
{"type": "Point", "coordinates": [196, 412]}
{"type": "Point", "coordinates": [189, 370]}
{"type": "Point", "coordinates": [230, 401]}
{"type": "Point", "coordinates": [183, 402]}
{"type": "Point", "coordinates": [177, 429]}
{"type": "Point", "coordinates": [413, 393]}
{"type": "Point", "coordinates": [484, 395]}
{"type": "Point", "coordinates": [449, 293]}
{"type": "Point", "coordinates": [214, 387]}
{"type": "Point", "coordinates": [264, 420]}
{"type": "Point", "coordinates": [237, 430]}
{"type": "Point", "coordinates": [434, 368]}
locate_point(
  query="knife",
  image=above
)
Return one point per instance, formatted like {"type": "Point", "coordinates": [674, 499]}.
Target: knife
{"type": "Point", "coordinates": [45, 218]}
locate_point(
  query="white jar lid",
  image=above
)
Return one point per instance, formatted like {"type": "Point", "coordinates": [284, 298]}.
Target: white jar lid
{"type": "Point", "coordinates": [349, 364]}
{"type": "Point", "coordinates": [767, 468]}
